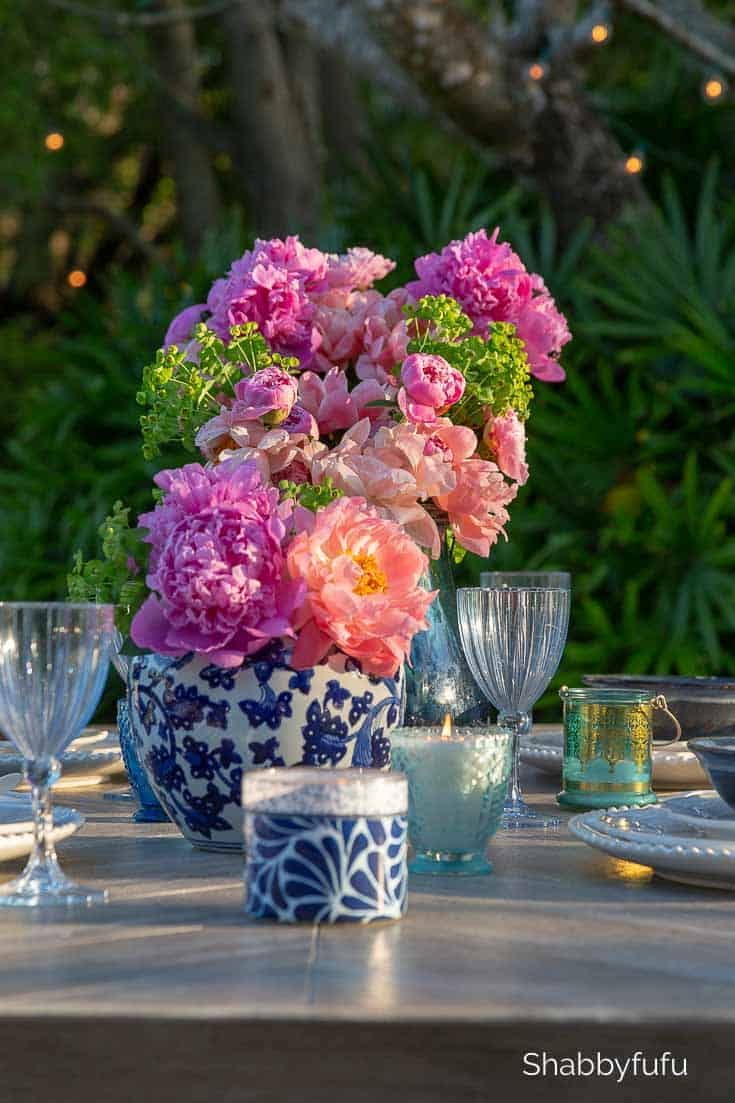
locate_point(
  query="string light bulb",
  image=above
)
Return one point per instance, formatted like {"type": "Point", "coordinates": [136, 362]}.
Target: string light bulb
{"type": "Point", "coordinates": [635, 163]}
{"type": "Point", "coordinates": [54, 141]}
{"type": "Point", "coordinates": [537, 70]}
{"type": "Point", "coordinates": [76, 278]}
{"type": "Point", "coordinates": [600, 33]}
{"type": "Point", "coordinates": [713, 89]}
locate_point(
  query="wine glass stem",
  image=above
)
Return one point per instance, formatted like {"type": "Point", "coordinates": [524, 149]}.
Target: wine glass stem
{"type": "Point", "coordinates": [43, 856]}
{"type": "Point", "coordinates": [517, 723]}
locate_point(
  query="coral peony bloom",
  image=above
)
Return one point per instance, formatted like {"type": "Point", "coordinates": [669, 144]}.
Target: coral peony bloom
{"type": "Point", "coordinates": [491, 284]}
{"type": "Point", "coordinates": [505, 438]}
{"type": "Point", "coordinates": [430, 387]}
{"type": "Point", "coordinates": [476, 508]}
{"type": "Point", "coordinates": [361, 574]}
{"type": "Point", "coordinates": [217, 566]}
{"type": "Point", "coordinates": [270, 394]}
{"type": "Point", "coordinates": [179, 332]}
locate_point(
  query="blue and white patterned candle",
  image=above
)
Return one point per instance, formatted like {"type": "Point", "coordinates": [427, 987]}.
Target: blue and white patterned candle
{"type": "Point", "coordinates": [325, 847]}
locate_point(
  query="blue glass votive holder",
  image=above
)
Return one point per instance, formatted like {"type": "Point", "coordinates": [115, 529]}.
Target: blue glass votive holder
{"type": "Point", "coordinates": [150, 810]}
{"type": "Point", "coordinates": [457, 780]}
{"type": "Point", "coordinates": [325, 846]}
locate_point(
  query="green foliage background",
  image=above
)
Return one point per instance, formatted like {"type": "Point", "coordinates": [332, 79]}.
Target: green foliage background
{"type": "Point", "coordinates": [632, 459]}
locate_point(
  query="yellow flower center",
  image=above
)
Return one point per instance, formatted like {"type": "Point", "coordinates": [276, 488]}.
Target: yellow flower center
{"type": "Point", "coordinates": [372, 580]}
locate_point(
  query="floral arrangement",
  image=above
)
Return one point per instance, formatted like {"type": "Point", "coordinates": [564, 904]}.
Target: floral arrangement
{"type": "Point", "coordinates": [342, 434]}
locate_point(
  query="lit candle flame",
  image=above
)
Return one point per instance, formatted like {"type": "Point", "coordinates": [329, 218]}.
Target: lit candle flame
{"type": "Point", "coordinates": [446, 732]}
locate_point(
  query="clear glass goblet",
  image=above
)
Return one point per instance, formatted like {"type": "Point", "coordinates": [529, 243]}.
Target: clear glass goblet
{"type": "Point", "coordinates": [53, 665]}
{"type": "Point", "coordinates": [514, 640]}
{"type": "Point", "coordinates": [524, 580]}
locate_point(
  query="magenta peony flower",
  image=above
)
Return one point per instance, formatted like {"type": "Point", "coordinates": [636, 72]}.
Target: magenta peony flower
{"type": "Point", "coordinates": [362, 575]}
{"type": "Point", "coordinates": [270, 394]}
{"type": "Point", "coordinates": [505, 438]}
{"type": "Point", "coordinates": [217, 566]}
{"type": "Point", "coordinates": [179, 331]}
{"type": "Point", "coordinates": [270, 285]}
{"type": "Point", "coordinates": [430, 387]}
{"type": "Point", "coordinates": [491, 284]}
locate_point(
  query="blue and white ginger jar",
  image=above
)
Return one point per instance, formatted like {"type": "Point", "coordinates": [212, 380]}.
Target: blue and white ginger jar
{"type": "Point", "coordinates": [198, 727]}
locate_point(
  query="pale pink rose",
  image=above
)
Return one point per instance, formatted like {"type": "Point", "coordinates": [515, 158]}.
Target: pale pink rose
{"type": "Point", "coordinates": [361, 574]}
{"type": "Point", "coordinates": [505, 438]}
{"type": "Point", "coordinates": [430, 386]}
{"type": "Point", "coordinates": [270, 394]}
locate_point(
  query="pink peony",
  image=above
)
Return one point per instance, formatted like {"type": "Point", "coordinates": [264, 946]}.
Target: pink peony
{"type": "Point", "coordinates": [270, 285]}
{"type": "Point", "coordinates": [384, 338]}
{"type": "Point", "coordinates": [270, 394]}
{"type": "Point", "coordinates": [179, 331]}
{"type": "Point", "coordinates": [333, 405]}
{"type": "Point", "coordinates": [476, 508]}
{"type": "Point", "coordinates": [217, 566]}
{"type": "Point", "coordinates": [357, 269]}
{"type": "Point", "coordinates": [491, 284]}
{"type": "Point", "coordinates": [361, 574]}
{"type": "Point", "coordinates": [341, 327]}
{"type": "Point", "coordinates": [430, 387]}
{"type": "Point", "coordinates": [505, 438]}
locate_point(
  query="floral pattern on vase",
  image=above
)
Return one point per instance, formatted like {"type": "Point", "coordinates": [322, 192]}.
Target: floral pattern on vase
{"type": "Point", "coordinates": [323, 869]}
{"type": "Point", "coordinates": [197, 727]}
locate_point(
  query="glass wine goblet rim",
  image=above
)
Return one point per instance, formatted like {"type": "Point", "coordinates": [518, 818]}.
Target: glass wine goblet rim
{"type": "Point", "coordinates": [513, 590]}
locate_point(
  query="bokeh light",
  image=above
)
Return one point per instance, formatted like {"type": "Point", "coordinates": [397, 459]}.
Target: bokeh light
{"type": "Point", "coordinates": [600, 33]}
{"type": "Point", "coordinates": [713, 89]}
{"type": "Point", "coordinates": [54, 141]}
{"type": "Point", "coordinates": [76, 278]}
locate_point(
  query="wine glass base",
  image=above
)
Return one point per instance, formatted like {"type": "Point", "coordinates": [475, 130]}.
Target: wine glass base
{"type": "Point", "coordinates": [43, 891]}
{"type": "Point", "coordinates": [519, 816]}
{"type": "Point", "coordinates": [437, 863]}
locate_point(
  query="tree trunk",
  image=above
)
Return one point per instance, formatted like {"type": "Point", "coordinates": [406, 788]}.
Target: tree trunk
{"type": "Point", "coordinates": [277, 142]}
{"type": "Point", "coordinates": [175, 58]}
{"type": "Point", "coordinates": [549, 133]}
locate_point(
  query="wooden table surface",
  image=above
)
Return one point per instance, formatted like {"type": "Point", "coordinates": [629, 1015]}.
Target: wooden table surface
{"type": "Point", "coordinates": [171, 992]}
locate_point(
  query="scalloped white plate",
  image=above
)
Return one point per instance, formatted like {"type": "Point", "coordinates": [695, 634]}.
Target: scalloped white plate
{"type": "Point", "coordinates": [704, 809]}
{"type": "Point", "coordinates": [672, 768]}
{"type": "Point", "coordinates": [674, 849]}
{"type": "Point", "coordinates": [16, 826]}
{"type": "Point", "coordinates": [96, 752]}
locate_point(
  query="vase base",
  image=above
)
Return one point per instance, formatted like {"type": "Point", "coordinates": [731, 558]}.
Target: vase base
{"type": "Point", "coordinates": [437, 863]}
{"type": "Point", "coordinates": [125, 795]}
{"type": "Point", "coordinates": [150, 813]}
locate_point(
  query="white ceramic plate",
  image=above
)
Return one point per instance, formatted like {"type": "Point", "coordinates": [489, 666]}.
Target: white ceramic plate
{"type": "Point", "coordinates": [673, 767]}
{"type": "Point", "coordinates": [675, 850]}
{"type": "Point", "coordinates": [704, 809]}
{"type": "Point", "coordinates": [16, 826]}
{"type": "Point", "coordinates": [95, 752]}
